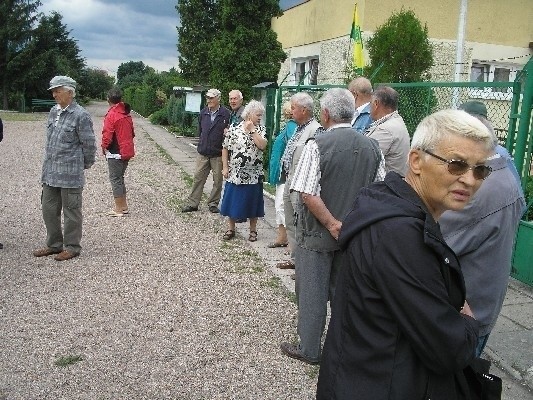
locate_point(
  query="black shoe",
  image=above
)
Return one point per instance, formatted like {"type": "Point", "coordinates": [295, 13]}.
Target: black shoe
{"type": "Point", "coordinates": [214, 209]}
{"type": "Point", "coordinates": [240, 221]}
{"type": "Point", "coordinates": [292, 351]}
{"type": "Point", "coordinates": [189, 209]}
{"type": "Point", "coordinates": [1, 246]}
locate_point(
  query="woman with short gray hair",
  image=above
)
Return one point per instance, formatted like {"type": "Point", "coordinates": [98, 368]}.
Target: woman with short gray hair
{"type": "Point", "coordinates": [400, 299]}
{"type": "Point", "coordinates": [242, 167]}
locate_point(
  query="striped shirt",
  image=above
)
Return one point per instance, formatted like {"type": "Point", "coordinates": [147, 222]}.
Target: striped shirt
{"type": "Point", "coordinates": [307, 176]}
{"type": "Point", "coordinates": [286, 159]}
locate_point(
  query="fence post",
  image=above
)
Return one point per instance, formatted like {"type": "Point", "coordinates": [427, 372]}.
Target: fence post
{"type": "Point", "coordinates": [524, 122]}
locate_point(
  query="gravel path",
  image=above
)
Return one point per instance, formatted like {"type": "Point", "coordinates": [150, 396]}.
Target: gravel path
{"type": "Point", "coordinates": [156, 306]}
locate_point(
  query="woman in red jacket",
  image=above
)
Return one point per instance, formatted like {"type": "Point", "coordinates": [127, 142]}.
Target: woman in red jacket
{"type": "Point", "coordinates": [118, 148]}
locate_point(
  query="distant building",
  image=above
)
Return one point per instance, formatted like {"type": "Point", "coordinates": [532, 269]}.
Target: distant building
{"type": "Point", "coordinates": [315, 36]}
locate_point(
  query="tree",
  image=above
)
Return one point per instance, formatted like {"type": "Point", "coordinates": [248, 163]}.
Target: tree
{"type": "Point", "coordinates": [401, 48]}
{"type": "Point", "coordinates": [400, 52]}
{"type": "Point", "coordinates": [51, 52]}
{"type": "Point", "coordinates": [96, 83]}
{"type": "Point", "coordinates": [16, 20]}
{"type": "Point", "coordinates": [131, 72]}
{"type": "Point", "coordinates": [246, 51]}
{"type": "Point", "coordinates": [199, 27]}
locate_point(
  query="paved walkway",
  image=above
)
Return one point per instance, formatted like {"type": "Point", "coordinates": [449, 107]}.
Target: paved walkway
{"type": "Point", "coordinates": [510, 346]}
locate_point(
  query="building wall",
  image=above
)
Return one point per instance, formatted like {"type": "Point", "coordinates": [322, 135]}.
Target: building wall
{"type": "Point", "coordinates": [496, 31]}
{"type": "Point", "coordinates": [504, 23]}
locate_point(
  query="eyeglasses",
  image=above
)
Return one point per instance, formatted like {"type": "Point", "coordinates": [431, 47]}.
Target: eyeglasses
{"type": "Point", "coordinates": [460, 167]}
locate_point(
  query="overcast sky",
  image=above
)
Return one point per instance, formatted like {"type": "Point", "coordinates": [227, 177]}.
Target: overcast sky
{"type": "Point", "coordinates": [112, 32]}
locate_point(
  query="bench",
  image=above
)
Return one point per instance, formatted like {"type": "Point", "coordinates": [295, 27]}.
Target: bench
{"type": "Point", "coordinates": [40, 103]}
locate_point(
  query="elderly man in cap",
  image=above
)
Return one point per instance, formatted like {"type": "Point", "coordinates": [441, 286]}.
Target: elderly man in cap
{"type": "Point", "coordinates": [213, 121]}
{"type": "Point", "coordinates": [70, 149]}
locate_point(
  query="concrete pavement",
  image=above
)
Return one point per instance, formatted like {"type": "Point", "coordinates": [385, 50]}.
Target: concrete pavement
{"type": "Point", "coordinates": [510, 346]}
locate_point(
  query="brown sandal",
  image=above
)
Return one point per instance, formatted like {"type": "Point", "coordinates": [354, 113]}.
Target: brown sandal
{"type": "Point", "coordinates": [253, 236]}
{"type": "Point", "coordinates": [230, 234]}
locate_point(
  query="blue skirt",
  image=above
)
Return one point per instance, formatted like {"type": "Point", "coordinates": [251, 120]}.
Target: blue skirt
{"type": "Point", "coordinates": [243, 201]}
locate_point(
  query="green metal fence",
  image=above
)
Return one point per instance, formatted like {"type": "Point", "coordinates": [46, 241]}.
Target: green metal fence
{"type": "Point", "coordinates": [509, 107]}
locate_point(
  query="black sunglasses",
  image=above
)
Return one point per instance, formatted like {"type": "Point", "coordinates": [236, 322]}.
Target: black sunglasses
{"type": "Point", "coordinates": [460, 167]}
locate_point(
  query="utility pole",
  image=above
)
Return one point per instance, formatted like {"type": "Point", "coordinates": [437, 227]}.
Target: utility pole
{"type": "Point", "coordinates": [459, 50]}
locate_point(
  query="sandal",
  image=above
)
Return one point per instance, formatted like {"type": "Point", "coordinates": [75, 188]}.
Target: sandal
{"type": "Point", "coordinates": [229, 235]}
{"type": "Point", "coordinates": [253, 236]}
{"type": "Point", "coordinates": [276, 244]}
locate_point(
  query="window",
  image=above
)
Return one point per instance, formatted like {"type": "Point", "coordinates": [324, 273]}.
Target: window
{"type": "Point", "coordinates": [501, 75]}
{"type": "Point", "coordinates": [478, 72]}
{"type": "Point", "coordinates": [492, 73]}
{"type": "Point", "coordinates": [305, 71]}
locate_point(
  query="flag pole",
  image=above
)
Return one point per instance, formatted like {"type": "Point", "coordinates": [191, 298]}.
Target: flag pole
{"type": "Point", "coordinates": [355, 34]}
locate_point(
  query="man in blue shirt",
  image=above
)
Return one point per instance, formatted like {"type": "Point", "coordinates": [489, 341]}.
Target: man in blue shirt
{"type": "Point", "coordinates": [361, 89]}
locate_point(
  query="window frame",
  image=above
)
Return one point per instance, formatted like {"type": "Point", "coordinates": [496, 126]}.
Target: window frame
{"type": "Point", "coordinates": [307, 63]}
{"type": "Point", "coordinates": [488, 74]}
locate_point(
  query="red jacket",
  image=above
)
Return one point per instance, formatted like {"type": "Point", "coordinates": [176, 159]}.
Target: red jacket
{"type": "Point", "coordinates": [118, 132]}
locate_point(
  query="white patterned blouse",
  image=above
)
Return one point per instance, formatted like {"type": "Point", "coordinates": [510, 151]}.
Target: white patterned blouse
{"type": "Point", "coordinates": [245, 162]}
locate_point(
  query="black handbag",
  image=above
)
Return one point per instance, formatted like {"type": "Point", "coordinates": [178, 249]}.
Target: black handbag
{"type": "Point", "coordinates": [476, 383]}
{"type": "Point", "coordinates": [481, 384]}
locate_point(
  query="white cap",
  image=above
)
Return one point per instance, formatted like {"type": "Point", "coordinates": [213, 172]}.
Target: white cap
{"type": "Point", "coordinates": [60, 80]}
{"type": "Point", "coordinates": [213, 93]}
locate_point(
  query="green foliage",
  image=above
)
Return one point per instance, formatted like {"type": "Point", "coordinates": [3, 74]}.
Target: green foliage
{"type": "Point", "coordinates": [199, 27]}
{"type": "Point", "coordinates": [400, 52]}
{"type": "Point", "coordinates": [401, 45]}
{"type": "Point", "coordinates": [184, 123]}
{"type": "Point", "coordinates": [96, 83]}
{"type": "Point", "coordinates": [160, 117]}
{"type": "Point", "coordinates": [529, 199]}
{"type": "Point", "coordinates": [142, 98]}
{"type": "Point", "coordinates": [131, 73]}
{"type": "Point", "coordinates": [247, 51]}
{"type": "Point", "coordinates": [52, 52]}
{"type": "Point", "coordinates": [414, 104]}
{"type": "Point", "coordinates": [16, 20]}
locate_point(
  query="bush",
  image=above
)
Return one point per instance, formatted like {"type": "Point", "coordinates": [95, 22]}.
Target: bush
{"type": "Point", "coordinates": [160, 117]}
{"type": "Point", "coordinates": [403, 46]}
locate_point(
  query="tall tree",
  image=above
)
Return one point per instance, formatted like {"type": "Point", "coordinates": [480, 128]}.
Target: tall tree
{"type": "Point", "coordinates": [246, 51]}
{"type": "Point", "coordinates": [199, 26]}
{"type": "Point", "coordinates": [51, 52]}
{"type": "Point", "coordinates": [16, 20]}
